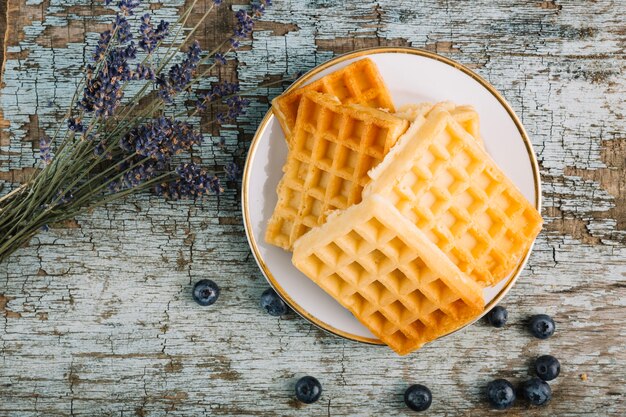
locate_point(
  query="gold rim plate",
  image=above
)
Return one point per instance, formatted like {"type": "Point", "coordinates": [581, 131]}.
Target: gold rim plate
{"type": "Point", "coordinates": [303, 80]}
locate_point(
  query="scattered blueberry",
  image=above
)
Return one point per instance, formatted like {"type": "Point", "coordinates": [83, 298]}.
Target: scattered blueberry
{"type": "Point", "coordinates": [206, 292]}
{"type": "Point", "coordinates": [418, 397]}
{"type": "Point", "coordinates": [547, 367]}
{"type": "Point", "coordinates": [542, 326]}
{"type": "Point", "coordinates": [308, 389]}
{"type": "Point", "coordinates": [501, 394]}
{"type": "Point", "coordinates": [536, 391]}
{"type": "Point", "coordinates": [273, 304]}
{"type": "Point", "coordinates": [497, 316]}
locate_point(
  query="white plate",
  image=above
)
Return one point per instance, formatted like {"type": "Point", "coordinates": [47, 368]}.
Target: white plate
{"type": "Point", "coordinates": [412, 76]}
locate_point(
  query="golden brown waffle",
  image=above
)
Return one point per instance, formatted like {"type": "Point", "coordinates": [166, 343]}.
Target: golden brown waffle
{"type": "Point", "coordinates": [359, 82]}
{"type": "Point", "coordinates": [442, 180]}
{"type": "Point", "coordinates": [395, 281]}
{"type": "Point", "coordinates": [334, 146]}
{"type": "Point", "coordinates": [464, 115]}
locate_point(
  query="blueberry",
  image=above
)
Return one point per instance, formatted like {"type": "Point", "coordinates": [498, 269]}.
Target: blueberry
{"type": "Point", "coordinates": [542, 326]}
{"type": "Point", "coordinates": [418, 397]}
{"type": "Point", "coordinates": [273, 304]}
{"type": "Point", "coordinates": [497, 316]}
{"type": "Point", "coordinates": [308, 389]}
{"type": "Point", "coordinates": [500, 394]}
{"type": "Point", "coordinates": [547, 367]}
{"type": "Point", "coordinates": [536, 391]}
{"type": "Point", "coordinates": [206, 292]}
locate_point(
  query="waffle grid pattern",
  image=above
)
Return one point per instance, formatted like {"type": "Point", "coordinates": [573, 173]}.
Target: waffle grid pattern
{"type": "Point", "coordinates": [357, 83]}
{"type": "Point", "coordinates": [458, 198]}
{"type": "Point", "coordinates": [373, 272]}
{"type": "Point", "coordinates": [334, 148]}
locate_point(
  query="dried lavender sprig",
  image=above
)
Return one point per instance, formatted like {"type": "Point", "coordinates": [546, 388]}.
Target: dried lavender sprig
{"type": "Point", "coordinates": [150, 37]}
{"type": "Point", "coordinates": [61, 195]}
{"type": "Point", "coordinates": [179, 75]}
{"type": "Point", "coordinates": [63, 145]}
{"type": "Point", "coordinates": [26, 233]}
{"type": "Point", "coordinates": [114, 37]}
{"type": "Point", "coordinates": [184, 18]}
{"type": "Point", "coordinates": [45, 181]}
{"type": "Point", "coordinates": [168, 57]}
{"type": "Point", "coordinates": [184, 135]}
{"type": "Point", "coordinates": [79, 201]}
{"type": "Point", "coordinates": [34, 191]}
{"type": "Point", "coordinates": [44, 149]}
{"type": "Point", "coordinates": [147, 111]}
{"type": "Point", "coordinates": [42, 181]}
{"type": "Point", "coordinates": [246, 23]}
{"type": "Point", "coordinates": [193, 181]}
{"type": "Point", "coordinates": [70, 108]}
{"type": "Point", "coordinates": [193, 30]}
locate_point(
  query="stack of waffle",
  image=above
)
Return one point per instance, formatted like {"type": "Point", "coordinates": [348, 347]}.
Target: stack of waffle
{"type": "Point", "coordinates": [401, 216]}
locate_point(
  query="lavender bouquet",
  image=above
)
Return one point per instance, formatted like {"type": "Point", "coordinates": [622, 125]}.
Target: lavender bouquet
{"type": "Point", "coordinates": [111, 145]}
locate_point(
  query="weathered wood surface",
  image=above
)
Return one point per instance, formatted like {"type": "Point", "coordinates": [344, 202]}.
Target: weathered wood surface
{"type": "Point", "coordinates": [98, 318]}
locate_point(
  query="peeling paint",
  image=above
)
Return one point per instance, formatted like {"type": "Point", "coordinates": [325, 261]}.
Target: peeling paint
{"type": "Point", "coordinates": [107, 322]}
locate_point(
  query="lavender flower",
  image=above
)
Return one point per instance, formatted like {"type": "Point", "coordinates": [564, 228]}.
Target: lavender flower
{"type": "Point", "coordinates": [220, 59]}
{"type": "Point", "coordinates": [129, 151]}
{"type": "Point", "coordinates": [127, 6]}
{"type": "Point", "coordinates": [179, 75]}
{"type": "Point", "coordinates": [75, 125]}
{"type": "Point", "coordinates": [258, 9]}
{"type": "Point", "coordinates": [142, 72]}
{"type": "Point", "coordinates": [63, 197]}
{"type": "Point", "coordinates": [232, 171]}
{"type": "Point", "coordinates": [122, 55]}
{"type": "Point", "coordinates": [103, 43]}
{"type": "Point", "coordinates": [122, 27]}
{"type": "Point", "coordinates": [102, 93]}
{"type": "Point", "coordinates": [245, 22]}
{"type": "Point", "coordinates": [45, 151]}
{"type": "Point", "coordinates": [236, 106]}
{"type": "Point", "coordinates": [100, 151]}
{"type": "Point", "coordinates": [244, 27]}
{"type": "Point", "coordinates": [150, 37]}
{"type": "Point", "coordinates": [160, 139]}
{"type": "Point", "coordinates": [193, 181]}
{"type": "Point", "coordinates": [145, 171]}
{"type": "Point", "coordinates": [218, 91]}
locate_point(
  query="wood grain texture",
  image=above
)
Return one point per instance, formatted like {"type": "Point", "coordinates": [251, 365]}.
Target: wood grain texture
{"type": "Point", "coordinates": [97, 317]}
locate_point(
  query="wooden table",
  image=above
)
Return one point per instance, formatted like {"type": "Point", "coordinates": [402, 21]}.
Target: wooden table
{"type": "Point", "coordinates": [98, 317]}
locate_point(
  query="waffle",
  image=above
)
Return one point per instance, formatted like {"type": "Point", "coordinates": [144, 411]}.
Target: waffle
{"type": "Point", "coordinates": [443, 181]}
{"type": "Point", "coordinates": [334, 146]}
{"type": "Point", "coordinates": [359, 82]}
{"type": "Point", "coordinates": [413, 112]}
{"type": "Point", "coordinates": [465, 115]}
{"type": "Point", "coordinates": [382, 268]}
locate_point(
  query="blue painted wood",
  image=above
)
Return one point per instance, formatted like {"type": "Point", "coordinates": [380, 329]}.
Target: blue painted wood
{"type": "Point", "coordinates": [98, 317]}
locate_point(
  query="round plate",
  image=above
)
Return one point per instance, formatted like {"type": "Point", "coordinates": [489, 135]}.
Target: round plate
{"type": "Point", "coordinates": [412, 76]}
